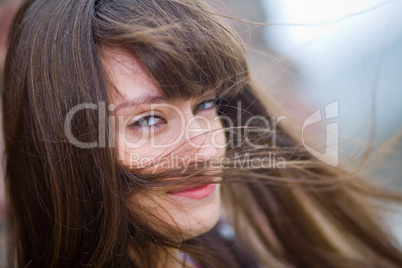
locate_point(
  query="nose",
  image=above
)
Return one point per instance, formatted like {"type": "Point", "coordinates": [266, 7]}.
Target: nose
{"type": "Point", "coordinates": [198, 137]}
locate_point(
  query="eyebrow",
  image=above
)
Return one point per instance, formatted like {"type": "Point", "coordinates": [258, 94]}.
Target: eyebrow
{"type": "Point", "coordinates": [144, 99]}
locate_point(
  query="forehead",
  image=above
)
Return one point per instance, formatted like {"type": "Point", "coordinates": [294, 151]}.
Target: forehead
{"type": "Point", "coordinates": [128, 76]}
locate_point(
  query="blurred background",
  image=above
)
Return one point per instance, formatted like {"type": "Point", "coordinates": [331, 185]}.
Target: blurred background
{"type": "Point", "coordinates": [311, 53]}
{"type": "Point", "coordinates": [346, 50]}
{"type": "Point", "coordinates": [322, 51]}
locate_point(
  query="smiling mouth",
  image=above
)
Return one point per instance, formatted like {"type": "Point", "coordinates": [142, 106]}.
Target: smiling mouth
{"type": "Point", "coordinates": [195, 192]}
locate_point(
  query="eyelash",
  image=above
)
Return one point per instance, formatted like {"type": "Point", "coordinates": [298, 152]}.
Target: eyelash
{"type": "Point", "coordinates": [136, 125]}
{"type": "Point", "coordinates": [214, 103]}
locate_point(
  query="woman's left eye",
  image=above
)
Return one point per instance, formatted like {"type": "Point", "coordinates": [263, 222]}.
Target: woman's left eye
{"type": "Point", "coordinates": [206, 105]}
{"type": "Point", "coordinates": [150, 121]}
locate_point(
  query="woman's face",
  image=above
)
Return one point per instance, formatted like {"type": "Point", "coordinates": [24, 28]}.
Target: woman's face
{"type": "Point", "coordinates": [155, 134]}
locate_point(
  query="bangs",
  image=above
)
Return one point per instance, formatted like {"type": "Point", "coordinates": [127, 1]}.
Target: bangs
{"type": "Point", "coordinates": [181, 43]}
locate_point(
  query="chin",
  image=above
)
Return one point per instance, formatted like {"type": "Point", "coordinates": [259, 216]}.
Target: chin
{"type": "Point", "coordinates": [200, 219]}
{"type": "Point", "coordinates": [185, 217]}
{"type": "Point", "coordinates": [194, 218]}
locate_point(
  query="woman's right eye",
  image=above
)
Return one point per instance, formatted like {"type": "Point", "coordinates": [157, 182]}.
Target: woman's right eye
{"type": "Point", "coordinates": [147, 122]}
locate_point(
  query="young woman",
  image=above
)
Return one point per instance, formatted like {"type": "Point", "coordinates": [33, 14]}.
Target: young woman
{"type": "Point", "coordinates": [134, 138]}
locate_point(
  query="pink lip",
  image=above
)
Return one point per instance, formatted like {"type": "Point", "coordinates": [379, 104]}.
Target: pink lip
{"type": "Point", "coordinates": [198, 192]}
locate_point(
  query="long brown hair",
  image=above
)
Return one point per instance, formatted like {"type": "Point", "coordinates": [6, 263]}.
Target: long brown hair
{"type": "Point", "coordinates": [67, 206]}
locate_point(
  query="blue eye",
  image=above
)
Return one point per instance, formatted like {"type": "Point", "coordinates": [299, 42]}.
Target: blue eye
{"type": "Point", "coordinates": [150, 121]}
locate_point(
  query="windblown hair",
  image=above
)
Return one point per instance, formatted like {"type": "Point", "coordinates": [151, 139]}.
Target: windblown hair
{"type": "Point", "coordinates": [67, 206]}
